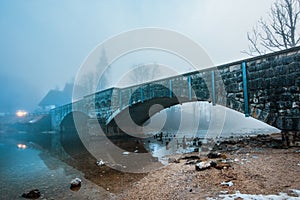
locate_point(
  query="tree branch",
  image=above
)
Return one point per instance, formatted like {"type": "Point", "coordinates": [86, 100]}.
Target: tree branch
{"type": "Point", "coordinates": [280, 31]}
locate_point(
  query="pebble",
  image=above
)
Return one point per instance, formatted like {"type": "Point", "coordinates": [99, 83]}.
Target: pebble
{"type": "Point", "coordinates": [100, 163]}
{"type": "Point", "coordinates": [230, 183]}
{"type": "Point", "coordinates": [223, 192]}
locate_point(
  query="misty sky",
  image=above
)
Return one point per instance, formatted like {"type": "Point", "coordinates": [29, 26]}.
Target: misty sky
{"type": "Point", "coordinates": [43, 43]}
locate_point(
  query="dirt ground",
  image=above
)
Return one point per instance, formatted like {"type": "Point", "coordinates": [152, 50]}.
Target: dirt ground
{"type": "Point", "coordinates": [252, 167]}
{"type": "Point", "coordinates": [268, 171]}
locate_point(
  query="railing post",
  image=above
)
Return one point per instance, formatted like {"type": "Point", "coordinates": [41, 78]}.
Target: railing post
{"type": "Point", "coordinates": [130, 97]}
{"type": "Point", "coordinates": [142, 94]}
{"type": "Point", "coordinates": [213, 89]}
{"type": "Point", "coordinates": [190, 87]}
{"type": "Point", "coordinates": [245, 88]}
{"type": "Point", "coordinates": [170, 88]}
{"type": "Point", "coordinates": [120, 99]}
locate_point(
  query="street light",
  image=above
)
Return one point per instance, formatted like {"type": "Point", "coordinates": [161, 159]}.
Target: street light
{"type": "Point", "coordinates": [21, 113]}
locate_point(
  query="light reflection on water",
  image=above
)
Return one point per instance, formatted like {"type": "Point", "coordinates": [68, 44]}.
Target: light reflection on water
{"type": "Point", "coordinates": [25, 169]}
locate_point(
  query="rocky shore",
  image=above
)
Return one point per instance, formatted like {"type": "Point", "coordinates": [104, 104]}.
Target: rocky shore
{"type": "Point", "coordinates": [234, 168]}
{"type": "Point", "coordinates": [249, 165]}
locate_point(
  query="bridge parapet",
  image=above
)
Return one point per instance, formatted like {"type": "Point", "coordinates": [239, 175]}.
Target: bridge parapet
{"type": "Point", "coordinates": [265, 87]}
{"type": "Point", "coordinates": [272, 90]}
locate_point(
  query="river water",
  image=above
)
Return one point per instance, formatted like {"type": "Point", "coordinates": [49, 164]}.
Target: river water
{"type": "Point", "coordinates": [23, 169]}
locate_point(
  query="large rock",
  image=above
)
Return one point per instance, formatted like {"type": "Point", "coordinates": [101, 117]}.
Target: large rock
{"type": "Point", "coordinates": [203, 165]}
{"type": "Point", "coordinates": [32, 194]}
{"type": "Point", "coordinates": [75, 184]}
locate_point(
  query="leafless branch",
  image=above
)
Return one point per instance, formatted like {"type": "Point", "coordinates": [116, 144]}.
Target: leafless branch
{"type": "Point", "coordinates": [279, 31]}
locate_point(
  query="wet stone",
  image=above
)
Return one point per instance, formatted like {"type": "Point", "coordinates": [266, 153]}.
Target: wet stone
{"type": "Point", "coordinates": [173, 160]}
{"type": "Point", "coordinates": [220, 165]}
{"type": "Point", "coordinates": [32, 194]}
{"type": "Point", "coordinates": [203, 165]}
{"type": "Point", "coordinates": [75, 184]}
{"type": "Point", "coordinates": [216, 155]}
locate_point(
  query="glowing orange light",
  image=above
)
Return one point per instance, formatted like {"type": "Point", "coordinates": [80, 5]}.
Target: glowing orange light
{"type": "Point", "coordinates": [22, 146]}
{"type": "Point", "coordinates": [21, 113]}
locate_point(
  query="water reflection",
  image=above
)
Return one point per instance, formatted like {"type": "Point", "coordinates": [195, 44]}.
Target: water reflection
{"type": "Point", "coordinates": [164, 144]}
{"type": "Point", "coordinates": [21, 146]}
{"type": "Point", "coordinates": [23, 167]}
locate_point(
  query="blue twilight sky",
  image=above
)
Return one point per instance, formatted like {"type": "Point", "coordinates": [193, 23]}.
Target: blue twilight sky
{"type": "Point", "coordinates": [44, 42]}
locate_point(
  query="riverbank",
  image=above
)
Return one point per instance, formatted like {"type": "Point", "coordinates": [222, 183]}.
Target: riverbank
{"type": "Point", "coordinates": [253, 165]}
{"type": "Point", "coordinates": [250, 165]}
{"type": "Point", "coordinates": [251, 170]}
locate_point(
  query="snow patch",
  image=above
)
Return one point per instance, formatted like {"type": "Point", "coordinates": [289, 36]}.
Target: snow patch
{"type": "Point", "coordinates": [280, 196]}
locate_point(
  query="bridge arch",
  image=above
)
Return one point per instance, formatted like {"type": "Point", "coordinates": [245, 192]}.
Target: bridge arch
{"type": "Point", "coordinates": [142, 102]}
{"type": "Point", "coordinates": [142, 111]}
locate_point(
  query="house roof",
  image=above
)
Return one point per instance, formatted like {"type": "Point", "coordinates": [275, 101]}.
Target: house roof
{"type": "Point", "coordinates": [57, 97]}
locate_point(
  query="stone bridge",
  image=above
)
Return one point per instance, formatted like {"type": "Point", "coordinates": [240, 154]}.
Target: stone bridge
{"type": "Point", "coordinates": [265, 88]}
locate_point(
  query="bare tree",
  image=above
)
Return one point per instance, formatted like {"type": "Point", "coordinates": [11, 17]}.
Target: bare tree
{"type": "Point", "coordinates": [104, 80]}
{"type": "Point", "coordinates": [142, 73]}
{"type": "Point", "coordinates": [279, 31]}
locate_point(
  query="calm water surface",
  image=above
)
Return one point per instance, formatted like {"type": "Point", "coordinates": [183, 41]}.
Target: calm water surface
{"type": "Point", "coordinates": [25, 169]}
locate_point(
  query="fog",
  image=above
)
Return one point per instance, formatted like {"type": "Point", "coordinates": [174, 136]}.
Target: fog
{"type": "Point", "coordinates": [195, 118]}
{"type": "Point", "coordinates": [44, 43]}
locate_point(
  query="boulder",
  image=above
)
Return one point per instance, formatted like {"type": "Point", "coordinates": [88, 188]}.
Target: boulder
{"type": "Point", "coordinates": [32, 194]}
{"type": "Point", "coordinates": [75, 184]}
{"type": "Point", "coordinates": [203, 165]}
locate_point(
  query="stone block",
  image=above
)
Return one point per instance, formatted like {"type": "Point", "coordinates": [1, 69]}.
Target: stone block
{"type": "Point", "coordinates": [269, 73]}
{"type": "Point", "coordinates": [288, 59]}
{"type": "Point", "coordinates": [234, 68]}
{"type": "Point", "coordinates": [294, 67]}
{"type": "Point", "coordinates": [280, 70]}
{"type": "Point", "coordinates": [264, 116]}
{"type": "Point", "coordinates": [287, 96]}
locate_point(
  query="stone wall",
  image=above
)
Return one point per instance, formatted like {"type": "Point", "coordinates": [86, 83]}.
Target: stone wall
{"type": "Point", "coordinates": [273, 88]}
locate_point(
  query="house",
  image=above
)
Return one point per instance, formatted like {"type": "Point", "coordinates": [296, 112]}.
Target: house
{"type": "Point", "coordinates": [55, 98]}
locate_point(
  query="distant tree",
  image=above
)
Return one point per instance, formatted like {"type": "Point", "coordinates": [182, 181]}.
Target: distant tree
{"type": "Point", "coordinates": [91, 81]}
{"type": "Point", "coordinates": [104, 79]}
{"type": "Point", "coordinates": [144, 73]}
{"type": "Point", "coordinates": [279, 31]}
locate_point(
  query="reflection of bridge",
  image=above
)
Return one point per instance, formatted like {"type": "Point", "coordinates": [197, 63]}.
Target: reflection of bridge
{"type": "Point", "coordinates": [264, 87]}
